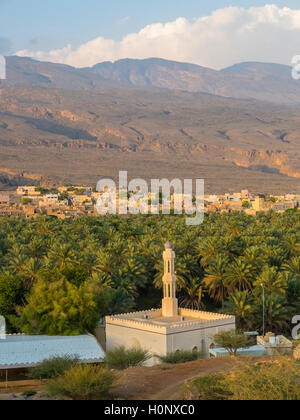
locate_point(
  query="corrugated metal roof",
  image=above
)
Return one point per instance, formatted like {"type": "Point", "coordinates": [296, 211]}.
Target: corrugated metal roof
{"type": "Point", "coordinates": [21, 351]}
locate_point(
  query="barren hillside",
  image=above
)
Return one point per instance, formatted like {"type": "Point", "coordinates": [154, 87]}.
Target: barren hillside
{"type": "Point", "coordinates": [80, 136]}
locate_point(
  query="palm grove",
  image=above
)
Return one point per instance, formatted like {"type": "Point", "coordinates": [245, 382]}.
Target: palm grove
{"type": "Point", "coordinates": [62, 277]}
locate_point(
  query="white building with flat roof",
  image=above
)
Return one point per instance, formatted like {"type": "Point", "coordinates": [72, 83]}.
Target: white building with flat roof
{"type": "Point", "coordinates": [170, 328]}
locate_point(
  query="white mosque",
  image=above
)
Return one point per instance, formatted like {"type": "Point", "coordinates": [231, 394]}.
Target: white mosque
{"type": "Point", "coordinates": [166, 330]}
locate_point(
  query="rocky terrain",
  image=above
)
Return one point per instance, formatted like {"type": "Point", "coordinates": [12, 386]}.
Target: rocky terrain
{"type": "Point", "coordinates": [154, 118]}
{"type": "Point", "coordinates": [55, 135]}
{"type": "Point", "coordinates": [267, 82]}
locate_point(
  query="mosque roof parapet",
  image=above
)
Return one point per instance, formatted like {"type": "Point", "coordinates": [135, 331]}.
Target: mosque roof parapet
{"type": "Point", "coordinates": [157, 323]}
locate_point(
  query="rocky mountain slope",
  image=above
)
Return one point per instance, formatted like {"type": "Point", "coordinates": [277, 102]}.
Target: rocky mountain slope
{"type": "Point", "coordinates": [80, 136]}
{"type": "Point", "coordinates": [267, 82]}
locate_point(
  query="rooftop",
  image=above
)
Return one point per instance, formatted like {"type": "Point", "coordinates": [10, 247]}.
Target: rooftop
{"type": "Point", "coordinates": [21, 351]}
{"type": "Point", "coordinates": [186, 319]}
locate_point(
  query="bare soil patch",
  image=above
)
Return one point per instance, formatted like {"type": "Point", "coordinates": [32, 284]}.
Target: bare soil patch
{"type": "Point", "coordinates": [155, 383]}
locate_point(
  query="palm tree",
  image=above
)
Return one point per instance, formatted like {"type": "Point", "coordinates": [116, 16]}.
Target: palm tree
{"type": "Point", "coordinates": [292, 245]}
{"type": "Point", "coordinates": [240, 304]}
{"type": "Point", "coordinates": [30, 271]}
{"type": "Point", "coordinates": [232, 246]}
{"type": "Point", "coordinates": [293, 267]}
{"type": "Point", "coordinates": [273, 281]}
{"type": "Point", "coordinates": [104, 263]}
{"type": "Point", "coordinates": [36, 248]}
{"type": "Point", "coordinates": [240, 275]}
{"type": "Point", "coordinates": [192, 294]}
{"type": "Point", "coordinates": [16, 262]}
{"type": "Point", "coordinates": [277, 313]}
{"type": "Point", "coordinates": [207, 251]}
{"type": "Point", "coordinates": [61, 254]}
{"type": "Point", "coordinates": [44, 226]}
{"type": "Point", "coordinates": [216, 279]}
{"type": "Point", "coordinates": [255, 256]}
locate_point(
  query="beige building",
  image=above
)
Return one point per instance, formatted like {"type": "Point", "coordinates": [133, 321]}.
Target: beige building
{"type": "Point", "coordinates": [79, 200]}
{"type": "Point", "coordinates": [28, 191]}
{"type": "Point", "coordinates": [166, 330]}
{"type": "Point", "coordinates": [4, 199]}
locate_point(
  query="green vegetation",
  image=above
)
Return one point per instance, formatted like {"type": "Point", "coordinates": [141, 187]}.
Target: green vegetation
{"type": "Point", "coordinates": [207, 388]}
{"type": "Point", "coordinates": [180, 356]}
{"type": "Point", "coordinates": [246, 204]}
{"type": "Point", "coordinates": [78, 191]}
{"type": "Point", "coordinates": [25, 201]}
{"type": "Point", "coordinates": [277, 380]}
{"type": "Point", "coordinates": [121, 358]}
{"type": "Point", "coordinates": [28, 394]}
{"type": "Point", "coordinates": [83, 382]}
{"type": "Point", "coordinates": [62, 276]}
{"type": "Point", "coordinates": [64, 196]}
{"type": "Point", "coordinates": [52, 368]}
{"type": "Point", "coordinates": [43, 190]}
{"type": "Point", "coordinates": [232, 341]}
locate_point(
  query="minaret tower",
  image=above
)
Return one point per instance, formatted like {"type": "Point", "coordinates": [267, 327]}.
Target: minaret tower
{"type": "Point", "coordinates": [169, 303]}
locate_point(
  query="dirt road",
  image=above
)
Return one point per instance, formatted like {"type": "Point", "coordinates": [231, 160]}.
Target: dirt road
{"type": "Point", "coordinates": [157, 383]}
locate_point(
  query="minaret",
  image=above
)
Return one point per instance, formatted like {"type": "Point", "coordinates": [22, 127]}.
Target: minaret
{"type": "Point", "coordinates": [169, 303]}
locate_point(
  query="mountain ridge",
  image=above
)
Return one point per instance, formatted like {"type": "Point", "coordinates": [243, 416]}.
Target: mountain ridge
{"type": "Point", "coordinates": [268, 82]}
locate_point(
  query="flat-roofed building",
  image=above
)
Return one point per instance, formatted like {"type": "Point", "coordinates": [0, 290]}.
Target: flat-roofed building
{"type": "Point", "coordinates": [4, 199]}
{"type": "Point", "coordinates": [28, 191]}
{"type": "Point", "coordinates": [170, 328]}
{"type": "Point", "coordinates": [23, 351]}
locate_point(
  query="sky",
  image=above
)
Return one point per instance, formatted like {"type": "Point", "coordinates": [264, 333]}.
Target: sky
{"type": "Point", "coordinates": [215, 33]}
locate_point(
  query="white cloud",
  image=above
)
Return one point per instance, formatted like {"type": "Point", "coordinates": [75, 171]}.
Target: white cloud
{"type": "Point", "coordinates": [227, 36]}
{"type": "Point", "coordinates": [124, 20]}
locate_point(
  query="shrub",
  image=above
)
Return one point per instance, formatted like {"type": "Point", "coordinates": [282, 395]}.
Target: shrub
{"type": "Point", "coordinates": [83, 382]}
{"type": "Point", "coordinates": [28, 394]}
{"type": "Point", "coordinates": [122, 358]}
{"type": "Point", "coordinates": [272, 380]}
{"type": "Point", "coordinates": [181, 356]}
{"type": "Point", "coordinates": [53, 367]}
{"type": "Point", "coordinates": [207, 388]}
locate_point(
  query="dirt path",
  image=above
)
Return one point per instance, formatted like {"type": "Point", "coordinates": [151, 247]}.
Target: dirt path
{"type": "Point", "coordinates": [165, 384]}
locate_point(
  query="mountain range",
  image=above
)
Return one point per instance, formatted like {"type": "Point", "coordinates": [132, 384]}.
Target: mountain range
{"type": "Point", "coordinates": [260, 81]}
{"type": "Point", "coordinates": [236, 128]}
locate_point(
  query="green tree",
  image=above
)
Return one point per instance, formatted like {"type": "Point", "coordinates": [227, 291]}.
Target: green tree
{"type": "Point", "coordinates": [273, 281]}
{"type": "Point", "coordinates": [216, 279]}
{"type": "Point", "coordinates": [232, 341]}
{"type": "Point", "coordinates": [240, 304]}
{"type": "Point", "coordinates": [57, 307]}
{"type": "Point", "coordinates": [240, 275]}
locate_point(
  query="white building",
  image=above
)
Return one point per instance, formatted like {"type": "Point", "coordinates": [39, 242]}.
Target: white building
{"type": "Point", "coordinates": [165, 330]}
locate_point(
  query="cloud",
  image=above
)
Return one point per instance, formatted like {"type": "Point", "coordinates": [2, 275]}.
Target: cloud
{"type": "Point", "coordinates": [227, 36]}
{"type": "Point", "coordinates": [124, 20]}
{"type": "Point", "coordinates": [5, 45]}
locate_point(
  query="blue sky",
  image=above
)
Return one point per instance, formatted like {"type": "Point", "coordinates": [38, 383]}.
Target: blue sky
{"type": "Point", "coordinates": [37, 25]}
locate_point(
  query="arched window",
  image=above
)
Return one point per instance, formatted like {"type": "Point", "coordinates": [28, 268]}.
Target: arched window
{"type": "Point", "coordinates": [195, 349]}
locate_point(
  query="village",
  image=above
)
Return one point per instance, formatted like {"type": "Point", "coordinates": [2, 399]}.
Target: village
{"type": "Point", "coordinates": [75, 201]}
